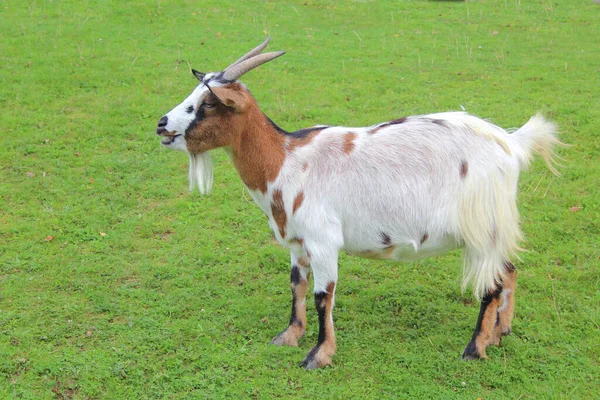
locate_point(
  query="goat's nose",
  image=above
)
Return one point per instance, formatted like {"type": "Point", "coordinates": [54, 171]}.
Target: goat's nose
{"type": "Point", "coordinates": [162, 125]}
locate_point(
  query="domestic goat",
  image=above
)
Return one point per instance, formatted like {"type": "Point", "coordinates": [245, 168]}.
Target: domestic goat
{"type": "Point", "coordinates": [405, 189]}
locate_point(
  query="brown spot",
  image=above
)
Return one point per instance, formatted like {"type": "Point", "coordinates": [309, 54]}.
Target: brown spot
{"type": "Point", "coordinates": [297, 202]}
{"type": "Point", "coordinates": [424, 238]}
{"type": "Point", "coordinates": [386, 124]}
{"type": "Point", "coordinates": [304, 261]}
{"type": "Point", "coordinates": [278, 211]}
{"type": "Point", "coordinates": [348, 145]}
{"type": "Point", "coordinates": [464, 168]}
{"type": "Point", "coordinates": [304, 167]}
{"type": "Point", "coordinates": [302, 141]}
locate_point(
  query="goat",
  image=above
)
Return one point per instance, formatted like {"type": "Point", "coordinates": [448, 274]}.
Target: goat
{"type": "Point", "coordinates": [405, 189]}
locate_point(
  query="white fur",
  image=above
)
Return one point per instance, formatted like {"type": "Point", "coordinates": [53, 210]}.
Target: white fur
{"type": "Point", "coordinates": [404, 181]}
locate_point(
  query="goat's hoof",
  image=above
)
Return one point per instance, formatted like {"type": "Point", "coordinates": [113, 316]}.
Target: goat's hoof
{"type": "Point", "coordinates": [316, 358]}
{"type": "Point", "coordinates": [506, 331]}
{"type": "Point", "coordinates": [285, 338]}
{"type": "Point", "coordinates": [471, 352]}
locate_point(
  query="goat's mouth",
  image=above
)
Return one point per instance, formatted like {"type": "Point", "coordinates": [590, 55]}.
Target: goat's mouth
{"type": "Point", "coordinates": [169, 138]}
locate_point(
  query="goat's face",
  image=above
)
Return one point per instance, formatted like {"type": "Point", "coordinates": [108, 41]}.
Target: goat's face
{"type": "Point", "coordinates": [179, 124]}
{"type": "Point", "coordinates": [211, 116]}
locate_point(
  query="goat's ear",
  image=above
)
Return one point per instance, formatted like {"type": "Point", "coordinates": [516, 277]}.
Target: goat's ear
{"type": "Point", "coordinates": [230, 97]}
{"type": "Point", "coordinates": [199, 75]}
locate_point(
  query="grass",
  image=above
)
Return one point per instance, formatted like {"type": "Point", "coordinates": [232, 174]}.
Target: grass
{"type": "Point", "coordinates": [115, 282]}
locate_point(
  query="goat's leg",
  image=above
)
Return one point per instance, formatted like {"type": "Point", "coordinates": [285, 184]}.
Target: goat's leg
{"type": "Point", "coordinates": [507, 303]}
{"type": "Point", "coordinates": [486, 325]}
{"type": "Point", "coordinates": [325, 276]}
{"type": "Point", "coordinates": [299, 283]}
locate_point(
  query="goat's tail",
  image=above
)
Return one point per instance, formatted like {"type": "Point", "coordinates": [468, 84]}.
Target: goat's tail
{"type": "Point", "coordinates": [539, 136]}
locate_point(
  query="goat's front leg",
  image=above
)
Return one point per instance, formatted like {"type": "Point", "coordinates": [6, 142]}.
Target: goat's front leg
{"type": "Point", "coordinates": [325, 277]}
{"type": "Point", "coordinates": [299, 283]}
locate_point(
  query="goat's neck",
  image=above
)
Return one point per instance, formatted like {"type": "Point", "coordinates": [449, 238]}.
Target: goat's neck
{"type": "Point", "coordinates": [258, 151]}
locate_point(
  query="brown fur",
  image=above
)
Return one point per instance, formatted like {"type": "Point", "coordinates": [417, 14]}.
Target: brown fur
{"type": "Point", "coordinates": [505, 316]}
{"type": "Point", "coordinates": [348, 145]}
{"type": "Point", "coordinates": [278, 210]}
{"type": "Point", "coordinates": [488, 324]}
{"type": "Point", "coordinates": [297, 202]}
{"type": "Point", "coordinates": [424, 238]}
{"type": "Point", "coordinates": [257, 148]}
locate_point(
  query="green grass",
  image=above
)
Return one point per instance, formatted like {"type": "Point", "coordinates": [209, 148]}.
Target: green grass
{"type": "Point", "coordinates": [115, 282]}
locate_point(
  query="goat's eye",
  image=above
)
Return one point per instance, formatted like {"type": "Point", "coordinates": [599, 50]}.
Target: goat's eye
{"type": "Point", "coordinates": [210, 105]}
{"type": "Point", "coordinates": [190, 109]}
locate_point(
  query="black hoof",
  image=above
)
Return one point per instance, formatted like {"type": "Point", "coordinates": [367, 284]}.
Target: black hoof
{"type": "Point", "coordinates": [309, 360]}
{"type": "Point", "coordinates": [470, 352]}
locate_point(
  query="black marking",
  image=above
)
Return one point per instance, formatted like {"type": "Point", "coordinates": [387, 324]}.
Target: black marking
{"type": "Point", "coordinates": [440, 122]}
{"type": "Point", "coordinates": [389, 123]}
{"type": "Point", "coordinates": [199, 118]}
{"type": "Point", "coordinates": [386, 239]}
{"type": "Point", "coordinates": [320, 300]}
{"type": "Point", "coordinates": [295, 277]}
{"type": "Point", "coordinates": [189, 110]}
{"type": "Point", "coordinates": [299, 134]}
{"type": "Point", "coordinates": [510, 267]}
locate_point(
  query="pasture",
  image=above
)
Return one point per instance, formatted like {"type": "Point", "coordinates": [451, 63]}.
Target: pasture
{"type": "Point", "coordinates": [117, 282]}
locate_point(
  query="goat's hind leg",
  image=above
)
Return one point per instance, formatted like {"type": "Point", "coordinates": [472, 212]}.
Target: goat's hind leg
{"type": "Point", "coordinates": [495, 316]}
{"type": "Point", "coordinates": [507, 302]}
{"type": "Point", "coordinates": [484, 332]}
{"type": "Point", "coordinates": [299, 282]}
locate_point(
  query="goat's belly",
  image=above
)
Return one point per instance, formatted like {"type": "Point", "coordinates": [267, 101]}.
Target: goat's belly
{"type": "Point", "coordinates": [406, 251]}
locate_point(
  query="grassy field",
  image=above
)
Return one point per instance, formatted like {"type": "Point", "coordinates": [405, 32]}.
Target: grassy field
{"type": "Point", "coordinates": [116, 282]}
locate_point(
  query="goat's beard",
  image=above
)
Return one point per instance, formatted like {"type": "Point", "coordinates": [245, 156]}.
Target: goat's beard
{"type": "Point", "coordinates": [200, 172]}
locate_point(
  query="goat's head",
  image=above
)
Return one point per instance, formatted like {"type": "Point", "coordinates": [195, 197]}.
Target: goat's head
{"type": "Point", "coordinates": [205, 120]}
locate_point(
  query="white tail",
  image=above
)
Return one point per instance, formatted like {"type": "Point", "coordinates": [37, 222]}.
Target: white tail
{"type": "Point", "coordinates": [539, 136]}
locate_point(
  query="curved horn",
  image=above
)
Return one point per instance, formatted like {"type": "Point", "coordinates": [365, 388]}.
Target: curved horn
{"type": "Point", "coordinates": [234, 72]}
{"type": "Point", "coordinates": [254, 52]}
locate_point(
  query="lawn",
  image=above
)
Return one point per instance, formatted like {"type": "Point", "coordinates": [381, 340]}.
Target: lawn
{"type": "Point", "coordinates": [118, 283]}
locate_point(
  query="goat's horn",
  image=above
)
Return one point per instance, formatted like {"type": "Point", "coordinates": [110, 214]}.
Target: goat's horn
{"type": "Point", "coordinates": [254, 52]}
{"type": "Point", "coordinates": [247, 65]}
